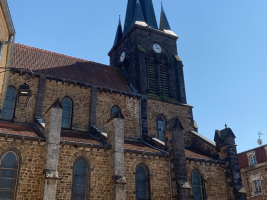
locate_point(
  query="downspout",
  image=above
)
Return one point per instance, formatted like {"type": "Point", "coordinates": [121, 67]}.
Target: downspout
{"type": "Point", "coordinates": [167, 153]}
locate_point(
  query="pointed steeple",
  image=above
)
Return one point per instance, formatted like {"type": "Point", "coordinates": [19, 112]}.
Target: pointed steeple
{"type": "Point", "coordinates": [140, 10]}
{"type": "Point", "coordinates": [164, 24]}
{"type": "Point", "coordinates": [118, 34]}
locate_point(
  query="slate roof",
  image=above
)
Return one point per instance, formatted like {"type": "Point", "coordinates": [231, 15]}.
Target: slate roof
{"type": "Point", "coordinates": [18, 129]}
{"type": "Point", "coordinates": [139, 146]}
{"type": "Point", "coordinates": [67, 67]}
{"type": "Point", "coordinates": [192, 154]}
{"type": "Point", "coordinates": [79, 137]}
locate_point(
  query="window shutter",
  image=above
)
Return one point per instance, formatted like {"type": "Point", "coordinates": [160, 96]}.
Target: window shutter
{"type": "Point", "coordinates": [163, 76]}
{"type": "Point", "coordinates": [152, 73]}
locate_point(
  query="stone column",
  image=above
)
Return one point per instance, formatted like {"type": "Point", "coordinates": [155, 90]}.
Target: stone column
{"type": "Point", "coordinates": [226, 147]}
{"type": "Point", "coordinates": [116, 140]}
{"type": "Point", "coordinates": [174, 139]}
{"type": "Point", "coordinates": [52, 133]}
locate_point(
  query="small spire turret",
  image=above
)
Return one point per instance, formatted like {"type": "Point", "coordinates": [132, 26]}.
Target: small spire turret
{"type": "Point", "coordinates": [164, 24]}
{"type": "Point", "coordinates": [119, 33]}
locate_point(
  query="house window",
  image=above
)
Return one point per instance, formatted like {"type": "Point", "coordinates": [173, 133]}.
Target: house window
{"type": "Point", "coordinates": [141, 184]}
{"type": "Point", "coordinates": [252, 160]}
{"type": "Point", "coordinates": [8, 176]}
{"type": "Point", "coordinates": [161, 135]}
{"type": "Point", "coordinates": [198, 186]}
{"type": "Point", "coordinates": [66, 113]}
{"type": "Point", "coordinates": [8, 108]}
{"type": "Point", "coordinates": [80, 181]}
{"type": "Point", "coordinates": [257, 185]}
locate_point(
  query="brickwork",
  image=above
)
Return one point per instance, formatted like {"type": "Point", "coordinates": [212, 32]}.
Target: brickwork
{"type": "Point", "coordinates": [25, 114]}
{"type": "Point", "coordinates": [31, 177]}
{"type": "Point", "coordinates": [154, 108]}
{"type": "Point", "coordinates": [215, 179]}
{"type": "Point", "coordinates": [159, 168]}
{"type": "Point", "coordinates": [100, 172]}
{"type": "Point", "coordinates": [129, 107]}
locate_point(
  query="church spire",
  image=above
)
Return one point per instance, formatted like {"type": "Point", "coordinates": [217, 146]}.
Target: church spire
{"type": "Point", "coordinates": [164, 24]}
{"type": "Point", "coordinates": [119, 33]}
{"type": "Point", "coordinates": [140, 10]}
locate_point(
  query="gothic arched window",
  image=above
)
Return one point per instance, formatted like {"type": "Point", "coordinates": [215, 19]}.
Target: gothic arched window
{"type": "Point", "coordinates": [66, 113]}
{"type": "Point", "coordinates": [114, 109]}
{"type": "Point", "coordinates": [163, 76]}
{"type": "Point", "coordinates": [152, 73]}
{"type": "Point", "coordinates": [160, 126]}
{"type": "Point", "coordinates": [8, 108]}
{"type": "Point", "coordinates": [142, 183]}
{"type": "Point", "coordinates": [80, 189]}
{"type": "Point", "coordinates": [8, 176]}
{"type": "Point", "coordinates": [198, 185]}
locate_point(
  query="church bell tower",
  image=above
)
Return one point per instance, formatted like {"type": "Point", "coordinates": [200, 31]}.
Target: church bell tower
{"type": "Point", "coordinates": [147, 54]}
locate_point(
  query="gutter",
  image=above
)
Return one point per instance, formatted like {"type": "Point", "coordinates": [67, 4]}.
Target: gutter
{"type": "Point", "coordinates": [167, 153]}
{"type": "Point", "coordinates": [10, 43]}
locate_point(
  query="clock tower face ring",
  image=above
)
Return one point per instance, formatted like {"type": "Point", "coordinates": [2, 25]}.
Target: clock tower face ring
{"type": "Point", "coordinates": [157, 48]}
{"type": "Point", "coordinates": [122, 57]}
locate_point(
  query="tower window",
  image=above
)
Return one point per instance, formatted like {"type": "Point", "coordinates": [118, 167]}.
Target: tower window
{"type": "Point", "coordinates": [152, 73]}
{"type": "Point", "coordinates": [160, 124]}
{"type": "Point", "coordinates": [8, 176]}
{"type": "Point", "coordinates": [8, 108]}
{"type": "Point", "coordinates": [66, 113]}
{"type": "Point", "coordinates": [198, 185]}
{"type": "Point", "coordinates": [163, 76]}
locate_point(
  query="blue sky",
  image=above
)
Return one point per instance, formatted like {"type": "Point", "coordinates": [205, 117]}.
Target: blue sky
{"type": "Point", "coordinates": [222, 43]}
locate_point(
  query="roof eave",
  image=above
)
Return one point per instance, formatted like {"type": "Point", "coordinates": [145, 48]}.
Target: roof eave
{"type": "Point", "coordinates": [7, 17]}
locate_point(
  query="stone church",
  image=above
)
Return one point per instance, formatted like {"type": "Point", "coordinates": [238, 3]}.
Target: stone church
{"type": "Point", "coordinates": [78, 130]}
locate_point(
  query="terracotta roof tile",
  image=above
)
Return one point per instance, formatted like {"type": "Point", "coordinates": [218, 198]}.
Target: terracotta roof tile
{"type": "Point", "coordinates": [18, 129]}
{"type": "Point", "coordinates": [73, 136]}
{"type": "Point", "coordinates": [67, 67]}
{"type": "Point", "coordinates": [137, 145]}
{"type": "Point", "coordinates": [192, 154]}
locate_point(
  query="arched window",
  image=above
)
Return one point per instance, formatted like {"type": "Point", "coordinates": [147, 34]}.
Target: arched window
{"type": "Point", "coordinates": [8, 175]}
{"type": "Point", "coordinates": [152, 73]}
{"type": "Point", "coordinates": [198, 185]}
{"type": "Point", "coordinates": [114, 109]}
{"type": "Point", "coordinates": [142, 183]}
{"type": "Point", "coordinates": [66, 113]}
{"type": "Point", "coordinates": [163, 76]}
{"type": "Point", "coordinates": [8, 108]}
{"type": "Point", "coordinates": [160, 124]}
{"type": "Point", "coordinates": [80, 189]}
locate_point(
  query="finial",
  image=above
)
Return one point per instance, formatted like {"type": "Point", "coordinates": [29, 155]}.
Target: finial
{"type": "Point", "coordinates": [225, 126]}
{"type": "Point", "coordinates": [119, 16]}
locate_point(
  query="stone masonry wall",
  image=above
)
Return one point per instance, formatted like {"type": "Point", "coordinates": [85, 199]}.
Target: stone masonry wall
{"type": "Point", "coordinates": [216, 187]}
{"type": "Point", "coordinates": [31, 177]}
{"type": "Point", "coordinates": [25, 114]}
{"type": "Point", "coordinates": [159, 168]}
{"type": "Point", "coordinates": [100, 172]}
{"type": "Point", "coordinates": [154, 108]}
{"type": "Point", "coordinates": [80, 97]}
{"type": "Point", "coordinates": [249, 174]}
{"type": "Point", "coordinates": [3, 37]}
{"type": "Point", "coordinates": [129, 107]}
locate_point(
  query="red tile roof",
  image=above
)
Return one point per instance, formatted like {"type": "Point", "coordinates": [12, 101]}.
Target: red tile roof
{"type": "Point", "coordinates": [67, 67]}
{"type": "Point", "coordinates": [136, 145]}
{"type": "Point", "coordinates": [192, 154]}
{"type": "Point", "coordinates": [18, 129]}
{"type": "Point", "coordinates": [73, 136]}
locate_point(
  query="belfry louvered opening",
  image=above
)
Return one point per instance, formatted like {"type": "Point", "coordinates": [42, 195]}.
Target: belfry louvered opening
{"type": "Point", "coordinates": [163, 76]}
{"type": "Point", "coordinates": [157, 74]}
{"type": "Point", "coordinates": [152, 73]}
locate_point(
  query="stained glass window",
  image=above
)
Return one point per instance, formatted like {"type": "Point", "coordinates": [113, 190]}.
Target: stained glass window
{"type": "Point", "coordinates": [8, 109]}
{"type": "Point", "coordinates": [160, 129]}
{"type": "Point", "coordinates": [197, 185]}
{"type": "Point", "coordinates": [8, 172]}
{"type": "Point", "coordinates": [80, 173]}
{"type": "Point", "coordinates": [66, 113]}
{"type": "Point", "coordinates": [141, 183]}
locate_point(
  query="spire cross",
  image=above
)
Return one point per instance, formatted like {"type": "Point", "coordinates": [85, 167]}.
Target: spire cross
{"type": "Point", "coordinates": [225, 126]}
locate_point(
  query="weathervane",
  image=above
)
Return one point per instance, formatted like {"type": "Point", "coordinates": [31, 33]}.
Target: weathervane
{"type": "Point", "coordinates": [260, 140]}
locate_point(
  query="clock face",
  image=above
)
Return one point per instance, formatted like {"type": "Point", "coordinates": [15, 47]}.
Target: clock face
{"type": "Point", "coordinates": [157, 48]}
{"type": "Point", "coordinates": [122, 57]}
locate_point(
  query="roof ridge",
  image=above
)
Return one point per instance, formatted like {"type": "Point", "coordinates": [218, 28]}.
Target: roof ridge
{"type": "Point", "coordinates": [60, 54]}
